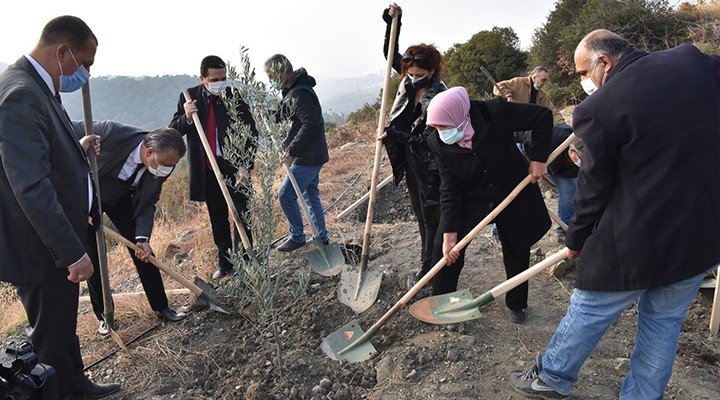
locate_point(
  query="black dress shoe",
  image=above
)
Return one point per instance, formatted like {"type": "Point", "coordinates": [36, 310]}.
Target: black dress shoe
{"type": "Point", "coordinates": [170, 315]}
{"type": "Point", "coordinates": [89, 390]}
{"type": "Point", "coordinates": [290, 245]}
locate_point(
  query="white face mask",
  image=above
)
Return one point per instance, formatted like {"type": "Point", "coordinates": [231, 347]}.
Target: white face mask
{"type": "Point", "coordinates": [536, 86]}
{"type": "Point", "coordinates": [216, 88]}
{"type": "Point", "coordinates": [588, 86]}
{"type": "Point", "coordinates": [161, 171]}
{"type": "Point", "coordinates": [577, 162]}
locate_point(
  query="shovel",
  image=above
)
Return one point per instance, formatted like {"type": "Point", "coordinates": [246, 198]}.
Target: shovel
{"type": "Point", "coordinates": [208, 297]}
{"type": "Point", "coordinates": [451, 308]}
{"type": "Point", "coordinates": [351, 344]}
{"type": "Point", "coordinates": [359, 288]}
{"type": "Point", "coordinates": [326, 260]}
{"type": "Point", "coordinates": [109, 307]}
{"type": "Point", "coordinates": [221, 182]}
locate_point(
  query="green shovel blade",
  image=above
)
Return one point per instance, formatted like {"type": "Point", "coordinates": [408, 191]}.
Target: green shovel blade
{"type": "Point", "coordinates": [449, 308]}
{"type": "Point", "coordinates": [326, 260]}
{"type": "Point", "coordinates": [344, 344]}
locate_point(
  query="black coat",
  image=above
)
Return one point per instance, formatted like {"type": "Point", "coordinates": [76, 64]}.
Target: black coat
{"type": "Point", "coordinates": [306, 139]}
{"type": "Point", "coordinates": [408, 139]}
{"type": "Point", "coordinates": [118, 141]}
{"type": "Point", "coordinates": [43, 182]}
{"type": "Point", "coordinates": [563, 166]}
{"type": "Point", "coordinates": [474, 181]}
{"type": "Point", "coordinates": [196, 152]}
{"type": "Point", "coordinates": [647, 203]}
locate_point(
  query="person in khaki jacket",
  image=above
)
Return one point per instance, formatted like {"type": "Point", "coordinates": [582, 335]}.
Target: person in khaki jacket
{"type": "Point", "coordinates": [528, 89]}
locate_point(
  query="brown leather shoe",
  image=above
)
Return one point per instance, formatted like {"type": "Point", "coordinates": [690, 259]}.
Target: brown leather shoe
{"type": "Point", "coordinates": [87, 390]}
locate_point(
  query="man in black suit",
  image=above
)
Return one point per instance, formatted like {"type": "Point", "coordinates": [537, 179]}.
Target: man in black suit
{"type": "Point", "coordinates": [208, 104]}
{"type": "Point", "coordinates": [132, 166]}
{"type": "Point", "coordinates": [646, 208]}
{"type": "Point", "coordinates": [45, 197]}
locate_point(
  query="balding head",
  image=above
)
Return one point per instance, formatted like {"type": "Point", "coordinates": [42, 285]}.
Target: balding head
{"type": "Point", "coordinates": [598, 53]}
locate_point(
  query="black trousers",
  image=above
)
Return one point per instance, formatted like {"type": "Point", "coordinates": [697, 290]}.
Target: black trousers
{"type": "Point", "coordinates": [219, 214]}
{"type": "Point", "coordinates": [121, 215]}
{"type": "Point", "coordinates": [428, 217]}
{"type": "Point", "coordinates": [516, 260]}
{"type": "Point", "coordinates": [52, 315]}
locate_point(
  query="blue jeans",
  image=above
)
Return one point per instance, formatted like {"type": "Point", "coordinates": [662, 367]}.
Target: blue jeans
{"type": "Point", "coordinates": [566, 192]}
{"type": "Point", "coordinates": [661, 312]}
{"type": "Point", "coordinates": [308, 178]}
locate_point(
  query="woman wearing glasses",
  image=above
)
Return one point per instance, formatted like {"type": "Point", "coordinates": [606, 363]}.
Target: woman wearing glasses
{"type": "Point", "coordinates": [405, 138]}
{"type": "Point", "coordinates": [479, 166]}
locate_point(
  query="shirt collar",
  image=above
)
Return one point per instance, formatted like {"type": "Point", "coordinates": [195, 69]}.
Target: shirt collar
{"type": "Point", "coordinates": [43, 74]}
{"type": "Point", "coordinates": [135, 155]}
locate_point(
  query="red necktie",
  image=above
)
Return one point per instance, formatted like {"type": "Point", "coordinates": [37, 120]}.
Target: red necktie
{"type": "Point", "coordinates": [211, 128]}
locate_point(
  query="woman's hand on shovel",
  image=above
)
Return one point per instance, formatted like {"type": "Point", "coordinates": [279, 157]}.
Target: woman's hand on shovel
{"type": "Point", "coordinates": [537, 170]}
{"type": "Point", "coordinates": [449, 241]}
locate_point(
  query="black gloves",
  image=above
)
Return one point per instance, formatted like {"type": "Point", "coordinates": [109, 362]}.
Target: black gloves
{"type": "Point", "coordinates": [401, 136]}
{"type": "Point", "coordinates": [386, 16]}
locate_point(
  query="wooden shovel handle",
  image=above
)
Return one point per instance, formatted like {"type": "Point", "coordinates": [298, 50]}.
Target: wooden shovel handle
{"type": "Point", "coordinates": [154, 261]}
{"type": "Point", "coordinates": [471, 235]}
{"type": "Point", "coordinates": [109, 312]}
{"type": "Point", "coordinates": [378, 143]}
{"type": "Point", "coordinates": [221, 182]}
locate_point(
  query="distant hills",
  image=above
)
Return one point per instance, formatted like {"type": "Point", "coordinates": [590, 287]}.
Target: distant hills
{"type": "Point", "coordinates": [150, 102]}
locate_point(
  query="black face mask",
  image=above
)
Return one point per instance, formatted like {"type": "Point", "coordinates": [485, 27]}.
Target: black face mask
{"type": "Point", "coordinates": [421, 83]}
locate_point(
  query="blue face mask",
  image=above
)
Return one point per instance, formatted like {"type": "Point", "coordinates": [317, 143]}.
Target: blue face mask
{"type": "Point", "coordinates": [76, 80]}
{"type": "Point", "coordinates": [453, 135]}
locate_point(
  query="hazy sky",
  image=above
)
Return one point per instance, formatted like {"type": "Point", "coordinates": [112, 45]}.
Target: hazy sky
{"type": "Point", "coordinates": [330, 38]}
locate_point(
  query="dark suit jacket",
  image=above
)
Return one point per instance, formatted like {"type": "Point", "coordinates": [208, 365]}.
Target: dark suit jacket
{"type": "Point", "coordinates": [474, 181]}
{"type": "Point", "coordinates": [43, 182]}
{"type": "Point", "coordinates": [647, 204]}
{"type": "Point", "coordinates": [116, 143]}
{"type": "Point", "coordinates": [196, 152]}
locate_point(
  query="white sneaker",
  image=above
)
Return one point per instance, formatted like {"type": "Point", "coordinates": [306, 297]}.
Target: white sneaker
{"type": "Point", "coordinates": [103, 328]}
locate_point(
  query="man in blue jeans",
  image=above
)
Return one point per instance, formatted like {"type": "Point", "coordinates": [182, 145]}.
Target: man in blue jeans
{"type": "Point", "coordinates": [563, 172]}
{"type": "Point", "coordinates": [646, 219]}
{"type": "Point", "coordinates": [306, 146]}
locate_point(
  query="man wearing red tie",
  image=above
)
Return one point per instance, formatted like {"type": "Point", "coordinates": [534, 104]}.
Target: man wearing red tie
{"type": "Point", "coordinates": [207, 102]}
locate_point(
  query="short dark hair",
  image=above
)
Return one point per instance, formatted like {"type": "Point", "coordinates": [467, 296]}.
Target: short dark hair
{"type": "Point", "coordinates": [425, 56]}
{"type": "Point", "coordinates": [278, 63]}
{"type": "Point", "coordinates": [210, 62]}
{"type": "Point", "coordinates": [165, 139]}
{"type": "Point", "coordinates": [67, 29]}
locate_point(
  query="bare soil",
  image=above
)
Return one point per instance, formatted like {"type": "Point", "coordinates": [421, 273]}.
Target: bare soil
{"type": "Point", "coordinates": [215, 356]}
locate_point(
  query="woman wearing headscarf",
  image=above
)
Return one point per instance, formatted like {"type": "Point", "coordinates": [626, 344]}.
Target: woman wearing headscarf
{"type": "Point", "coordinates": [405, 138]}
{"type": "Point", "coordinates": [479, 166]}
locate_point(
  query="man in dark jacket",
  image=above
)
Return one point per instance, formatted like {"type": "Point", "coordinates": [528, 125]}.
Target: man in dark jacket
{"type": "Point", "coordinates": [307, 149]}
{"type": "Point", "coordinates": [646, 219]}
{"type": "Point", "coordinates": [45, 199]}
{"type": "Point", "coordinates": [132, 167]}
{"type": "Point", "coordinates": [206, 101]}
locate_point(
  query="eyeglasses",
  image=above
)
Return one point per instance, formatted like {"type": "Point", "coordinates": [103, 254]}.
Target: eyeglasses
{"type": "Point", "coordinates": [413, 57]}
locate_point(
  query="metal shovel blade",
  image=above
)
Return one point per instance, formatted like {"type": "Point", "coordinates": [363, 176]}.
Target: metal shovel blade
{"type": "Point", "coordinates": [447, 308]}
{"type": "Point", "coordinates": [326, 260]}
{"type": "Point", "coordinates": [344, 344]}
{"type": "Point", "coordinates": [362, 298]}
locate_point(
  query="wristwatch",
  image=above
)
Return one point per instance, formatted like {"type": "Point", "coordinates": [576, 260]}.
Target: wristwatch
{"type": "Point", "coordinates": [141, 240]}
